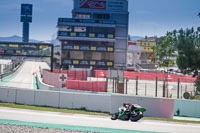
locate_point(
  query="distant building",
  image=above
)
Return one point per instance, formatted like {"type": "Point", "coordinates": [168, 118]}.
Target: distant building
{"type": "Point", "coordinates": [147, 43]}
{"type": "Point", "coordinates": [96, 35]}
{"type": "Point", "coordinates": [57, 56]}
{"type": "Point", "coordinates": [133, 55]}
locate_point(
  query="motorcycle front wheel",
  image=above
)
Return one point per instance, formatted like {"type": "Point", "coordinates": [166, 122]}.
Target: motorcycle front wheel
{"type": "Point", "coordinates": [114, 116]}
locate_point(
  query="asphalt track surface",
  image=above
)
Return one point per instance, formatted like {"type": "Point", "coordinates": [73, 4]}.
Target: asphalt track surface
{"type": "Point", "coordinates": [91, 123]}
{"type": "Point", "coordinates": [26, 75]}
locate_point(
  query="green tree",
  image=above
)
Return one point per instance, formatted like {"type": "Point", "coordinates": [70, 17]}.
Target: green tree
{"type": "Point", "coordinates": [188, 45]}
{"type": "Point", "coordinates": [163, 54]}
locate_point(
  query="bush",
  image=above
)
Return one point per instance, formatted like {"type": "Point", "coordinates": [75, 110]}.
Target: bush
{"type": "Point", "coordinates": [197, 84]}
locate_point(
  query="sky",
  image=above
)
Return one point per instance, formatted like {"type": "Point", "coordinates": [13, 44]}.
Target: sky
{"type": "Point", "coordinates": [147, 17]}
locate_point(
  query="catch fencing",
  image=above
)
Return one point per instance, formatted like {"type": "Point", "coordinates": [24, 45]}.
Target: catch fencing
{"type": "Point", "coordinates": [150, 84]}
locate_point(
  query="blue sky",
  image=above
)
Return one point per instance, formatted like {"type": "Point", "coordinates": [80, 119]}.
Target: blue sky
{"type": "Point", "coordinates": [147, 17]}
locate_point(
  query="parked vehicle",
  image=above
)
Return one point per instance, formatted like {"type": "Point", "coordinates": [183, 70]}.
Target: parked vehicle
{"type": "Point", "coordinates": [129, 111]}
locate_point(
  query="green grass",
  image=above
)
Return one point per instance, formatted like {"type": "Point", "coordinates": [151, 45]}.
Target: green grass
{"type": "Point", "coordinates": [171, 120]}
{"type": "Point", "coordinates": [83, 111]}
{"type": "Point", "coordinates": [197, 97]}
{"type": "Point", "coordinates": [52, 109]}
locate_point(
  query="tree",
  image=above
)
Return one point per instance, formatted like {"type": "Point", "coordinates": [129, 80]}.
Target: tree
{"type": "Point", "coordinates": [163, 54]}
{"type": "Point", "coordinates": [164, 51]}
{"type": "Point", "coordinates": [188, 45]}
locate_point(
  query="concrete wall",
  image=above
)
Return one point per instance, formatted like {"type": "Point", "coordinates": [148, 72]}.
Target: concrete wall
{"type": "Point", "coordinates": [156, 107]}
{"type": "Point", "coordinates": [187, 107]}
{"type": "Point", "coordinates": [47, 98]}
{"type": "Point", "coordinates": [25, 96]}
{"type": "Point", "coordinates": [8, 95]}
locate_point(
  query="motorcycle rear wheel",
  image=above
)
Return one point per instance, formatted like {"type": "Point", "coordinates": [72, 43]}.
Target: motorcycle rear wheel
{"type": "Point", "coordinates": [136, 118]}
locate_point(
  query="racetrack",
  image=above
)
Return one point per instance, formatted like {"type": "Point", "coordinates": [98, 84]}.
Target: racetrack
{"type": "Point", "coordinates": [25, 76]}
{"type": "Point", "coordinates": [78, 121]}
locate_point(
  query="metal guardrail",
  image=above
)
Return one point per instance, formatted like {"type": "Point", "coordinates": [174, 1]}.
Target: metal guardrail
{"type": "Point", "coordinates": [2, 76]}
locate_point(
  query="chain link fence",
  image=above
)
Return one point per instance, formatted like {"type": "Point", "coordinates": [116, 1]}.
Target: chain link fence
{"type": "Point", "coordinates": [159, 87]}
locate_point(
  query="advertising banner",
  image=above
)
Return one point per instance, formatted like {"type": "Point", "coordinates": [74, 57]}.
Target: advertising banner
{"type": "Point", "coordinates": [93, 4]}
{"type": "Point", "coordinates": [107, 5]}
{"type": "Point", "coordinates": [26, 12]}
{"type": "Point", "coordinates": [25, 49]}
{"type": "Point", "coordinates": [96, 63]}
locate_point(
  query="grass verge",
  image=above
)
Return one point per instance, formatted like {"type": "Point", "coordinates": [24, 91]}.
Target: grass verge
{"type": "Point", "coordinates": [171, 120]}
{"type": "Point", "coordinates": [52, 109]}
{"type": "Point", "coordinates": [83, 111]}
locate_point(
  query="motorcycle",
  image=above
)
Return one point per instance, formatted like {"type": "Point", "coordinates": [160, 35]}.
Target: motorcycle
{"type": "Point", "coordinates": [129, 111]}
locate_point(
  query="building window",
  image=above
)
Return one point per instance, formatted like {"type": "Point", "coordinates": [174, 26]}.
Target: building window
{"type": "Point", "coordinates": [63, 33]}
{"type": "Point", "coordinates": [101, 16]}
{"type": "Point", "coordinates": [66, 28]}
{"type": "Point", "coordinates": [110, 36]}
{"type": "Point", "coordinates": [91, 35]}
{"type": "Point", "coordinates": [72, 34]}
{"type": "Point", "coordinates": [100, 35]}
{"type": "Point", "coordinates": [82, 16]}
{"type": "Point", "coordinates": [82, 34]}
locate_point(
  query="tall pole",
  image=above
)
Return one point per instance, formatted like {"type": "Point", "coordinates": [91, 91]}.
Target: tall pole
{"type": "Point", "coordinates": [52, 51]}
{"type": "Point", "coordinates": [26, 18]}
{"type": "Point", "coordinates": [156, 93]}
{"type": "Point", "coordinates": [136, 85]}
{"type": "Point", "coordinates": [25, 32]}
{"type": "Point", "coordinates": [178, 88]}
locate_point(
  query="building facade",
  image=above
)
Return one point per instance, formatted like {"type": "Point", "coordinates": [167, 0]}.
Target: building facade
{"type": "Point", "coordinates": [96, 35]}
{"type": "Point", "coordinates": [133, 55]}
{"type": "Point", "coordinates": [147, 44]}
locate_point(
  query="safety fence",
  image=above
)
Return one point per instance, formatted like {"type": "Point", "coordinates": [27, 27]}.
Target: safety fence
{"type": "Point", "coordinates": [76, 80]}
{"type": "Point", "coordinates": [95, 86]}
{"type": "Point", "coordinates": [142, 84]}
{"type": "Point", "coordinates": [72, 74]}
{"type": "Point", "coordinates": [150, 76]}
{"type": "Point", "coordinates": [151, 88]}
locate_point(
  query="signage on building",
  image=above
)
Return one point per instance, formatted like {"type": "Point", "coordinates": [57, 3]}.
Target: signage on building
{"type": "Point", "coordinates": [79, 47]}
{"type": "Point", "coordinates": [26, 12]}
{"type": "Point", "coordinates": [87, 63]}
{"type": "Point", "coordinates": [25, 49]}
{"type": "Point", "coordinates": [109, 5]}
{"type": "Point", "coordinates": [93, 4]}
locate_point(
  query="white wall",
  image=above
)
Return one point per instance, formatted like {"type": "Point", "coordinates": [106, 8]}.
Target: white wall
{"type": "Point", "coordinates": [187, 107]}
{"type": "Point", "coordinates": [8, 95]}
{"type": "Point", "coordinates": [25, 97]}
{"type": "Point", "coordinates": [47, 98]}
{"type": "Point", "coordinates": [156, 107]}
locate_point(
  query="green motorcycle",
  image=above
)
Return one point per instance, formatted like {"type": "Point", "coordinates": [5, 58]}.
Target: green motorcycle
{"type": "Point", "coordinates": [129, 111]}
